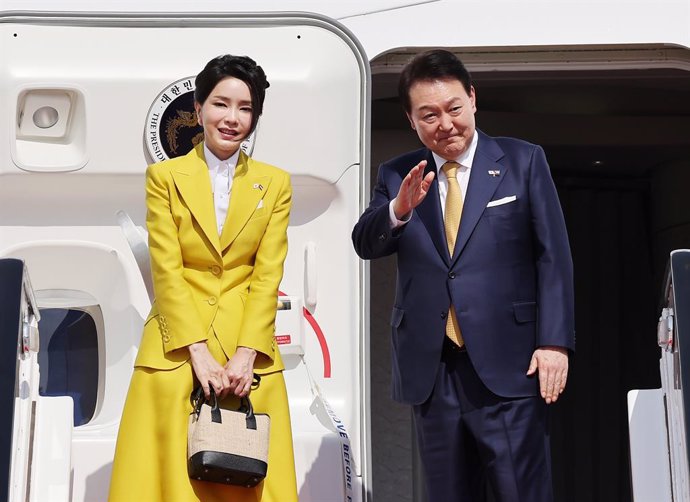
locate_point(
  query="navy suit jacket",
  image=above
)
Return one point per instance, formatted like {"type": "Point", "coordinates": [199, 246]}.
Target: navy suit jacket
{"type": "Point", "coordinates": [510, 276]}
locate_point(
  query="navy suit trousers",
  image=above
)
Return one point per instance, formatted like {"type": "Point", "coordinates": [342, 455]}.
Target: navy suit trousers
{"type": "Point", "coordinates": [469, 436]}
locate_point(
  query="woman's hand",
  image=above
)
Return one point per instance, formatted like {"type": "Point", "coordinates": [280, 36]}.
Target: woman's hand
{"type": "Point", "coordinates": [240, 371]}
{"type": "Point", "coordinates": [208, 370]}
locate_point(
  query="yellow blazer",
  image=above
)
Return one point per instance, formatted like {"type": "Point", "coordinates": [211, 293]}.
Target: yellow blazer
{"type": "Point", "coordinates": [202, 280]}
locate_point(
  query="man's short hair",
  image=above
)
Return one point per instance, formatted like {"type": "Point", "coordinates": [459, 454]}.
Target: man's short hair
{"type": "Point", "coordinates": [436, 64]}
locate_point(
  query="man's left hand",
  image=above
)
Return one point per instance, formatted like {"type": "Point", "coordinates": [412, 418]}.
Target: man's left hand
{"type": "Point", "coordinates": [552, 365]}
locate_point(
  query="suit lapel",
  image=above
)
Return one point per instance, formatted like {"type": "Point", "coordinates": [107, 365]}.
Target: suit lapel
{"type": "Point", "coordinates": [480, 189]}
{"type": "Point", "coordinates": [248, 189]}
{"type": "Point", "coordinates": [430, 213]}
{"type": "Point", "coordinates": [194, 184]}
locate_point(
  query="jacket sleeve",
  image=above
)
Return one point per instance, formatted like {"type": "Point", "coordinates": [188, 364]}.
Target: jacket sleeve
{"type": "Point", "coordinates": [179, 320]}
{"type": "Point", "coordinates": [372, 235]}
{"type": "Point", "coordinates": [258, 320]}
{"type": "Point", "coordinates": [555, 288]}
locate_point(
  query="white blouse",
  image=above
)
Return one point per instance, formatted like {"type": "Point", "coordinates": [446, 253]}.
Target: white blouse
{"type": "Point", "coordinates": [222, 173]}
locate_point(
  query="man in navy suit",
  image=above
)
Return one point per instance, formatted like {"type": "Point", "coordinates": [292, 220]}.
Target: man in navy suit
{"type": "Point", "coordinates": [483, 320]}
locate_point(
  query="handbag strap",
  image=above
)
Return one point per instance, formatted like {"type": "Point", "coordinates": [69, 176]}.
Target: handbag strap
{"type": "Point", "coordinates": [251, 419]}
{"type": "Point", "coordinates": [197, 399]}
{"type": "Point", "coordinates": [246, 404]}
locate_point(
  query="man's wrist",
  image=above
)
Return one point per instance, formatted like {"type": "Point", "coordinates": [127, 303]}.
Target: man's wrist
{"type": "Point", "coordinates": [395, 220]}
{"type": "Point", "coordinates": [399, 215]}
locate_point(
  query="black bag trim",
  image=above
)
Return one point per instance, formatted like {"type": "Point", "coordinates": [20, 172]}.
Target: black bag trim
{"type": "Point", "coordinates": [226, 468]}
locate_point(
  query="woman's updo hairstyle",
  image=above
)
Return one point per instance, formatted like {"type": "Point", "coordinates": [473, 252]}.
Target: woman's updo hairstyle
{"type": "Point", "coordinates": [240, 67]}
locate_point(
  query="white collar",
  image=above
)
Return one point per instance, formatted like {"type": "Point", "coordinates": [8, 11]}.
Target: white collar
{"type": "Point", "coordinates": [214, 162]}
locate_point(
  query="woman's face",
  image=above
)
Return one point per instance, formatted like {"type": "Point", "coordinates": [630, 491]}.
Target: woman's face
{"type": "Point", "coordinates": [226, 116]}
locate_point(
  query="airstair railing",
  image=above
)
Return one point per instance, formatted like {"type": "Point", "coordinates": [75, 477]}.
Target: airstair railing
{"type": "Point", "coordinates": [19, 318]}
{"type": "Point", "coordinates": [673, 335]}
{"type": "Point", "coordinates": [680, 269]}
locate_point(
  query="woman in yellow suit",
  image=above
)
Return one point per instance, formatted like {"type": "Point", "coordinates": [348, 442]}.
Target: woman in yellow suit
{"type": "Point", "coordinates": [217, 223]}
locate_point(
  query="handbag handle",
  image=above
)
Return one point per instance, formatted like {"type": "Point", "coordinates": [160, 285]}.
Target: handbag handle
{"type": "Point", "coordinates": [197, 399]}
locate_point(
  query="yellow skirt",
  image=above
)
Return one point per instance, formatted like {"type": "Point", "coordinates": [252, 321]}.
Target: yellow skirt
{"type": "Point", "coordinates": [150, 462]}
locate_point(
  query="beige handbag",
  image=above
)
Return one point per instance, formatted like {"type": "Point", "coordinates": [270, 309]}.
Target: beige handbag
{"type": "Point", "coordinates": [227, 446]}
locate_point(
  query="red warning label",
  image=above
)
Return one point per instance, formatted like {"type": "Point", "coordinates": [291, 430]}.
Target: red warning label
{"type": "Point", "coordinates": [283, 339]}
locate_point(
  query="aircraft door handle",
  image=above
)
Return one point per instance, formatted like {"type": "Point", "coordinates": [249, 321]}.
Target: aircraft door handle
{"type": "Point", "coordinates": [310, 276]}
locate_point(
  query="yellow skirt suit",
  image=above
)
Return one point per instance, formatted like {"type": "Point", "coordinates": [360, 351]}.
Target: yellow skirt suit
{"type": "Point", "coordinates": [221, 289]}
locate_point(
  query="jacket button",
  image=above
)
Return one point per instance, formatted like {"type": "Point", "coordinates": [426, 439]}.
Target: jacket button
{"type": "Point", "coordinates": [451, 275]}
{"type": "Point", "coordinates": [215, 270]}
{"type": "Point", "coordinates": [212, 300]}
{"type": "Point", "coordinates": [166, 338]}
{"type": "Point", "coordinates": [443, 315]}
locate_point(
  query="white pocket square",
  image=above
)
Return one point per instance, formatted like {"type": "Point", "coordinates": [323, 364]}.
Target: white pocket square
{"type": "Point", "coordinates": [261, 204]}
{"type": "Point", "coordinates": [504, 200]}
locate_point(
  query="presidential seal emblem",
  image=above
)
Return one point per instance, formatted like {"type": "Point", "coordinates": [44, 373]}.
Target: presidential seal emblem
{"type": "Point", "coordinates": [172, 128]}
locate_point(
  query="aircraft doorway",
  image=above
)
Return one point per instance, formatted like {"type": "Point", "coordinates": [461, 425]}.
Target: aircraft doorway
{"type": "Point", "coordinates": [614, 122]}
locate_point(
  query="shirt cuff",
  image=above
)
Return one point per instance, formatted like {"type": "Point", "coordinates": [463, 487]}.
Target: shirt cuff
{"type": "Point", "coordinates": [394, 221]}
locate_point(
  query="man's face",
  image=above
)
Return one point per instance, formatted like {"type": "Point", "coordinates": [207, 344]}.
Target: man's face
{"type": "Point", "coordinates": [442, 113]}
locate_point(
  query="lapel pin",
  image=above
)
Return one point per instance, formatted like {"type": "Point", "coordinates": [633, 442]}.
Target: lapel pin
{"type": "Point", "coordinates": [495, 173]}
{"type": "Point", "coordinates": [258, 186]}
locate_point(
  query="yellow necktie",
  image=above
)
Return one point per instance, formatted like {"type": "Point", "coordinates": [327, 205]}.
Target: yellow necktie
{"type": "Point", "coordinates": [451, 223]}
